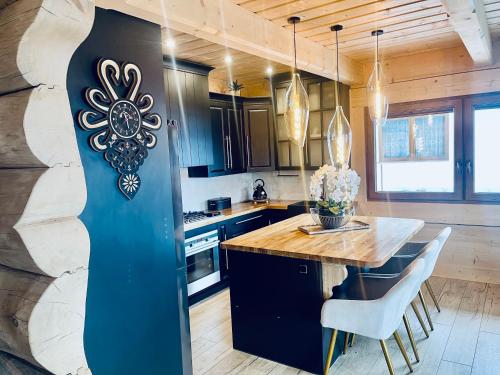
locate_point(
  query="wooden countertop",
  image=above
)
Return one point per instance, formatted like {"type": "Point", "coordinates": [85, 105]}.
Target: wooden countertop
{"type": "Point", "coordinates": [366, 248]}
{"type": "Point", "coordinates": [239, 209]}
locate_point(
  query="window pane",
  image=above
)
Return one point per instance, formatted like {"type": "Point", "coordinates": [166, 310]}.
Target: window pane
{"type": "Point", "coordinates": [315, 124]}
{"type": "Point", "coordinates": [315, 153]}
{"type": "Point", "coordinates": [283, 154]}
{"type": "Point", "coordinates": [431, 136]}
{"type": "Point", "coordinates": [296, 153]}
{"type": "Point", "coordinates": [280, 100]}
{"type": "Point", "coordinates": [314, 96]}
{"type": "Point", "coordinates": [486, 150]}
{"type": "Point", "coordinates": [396, 139]}
{"type": "Point", "coordinates": [399, 171]}
{"type": "Point", "coordinates": [328, 94]}
{"type": "Point", "coordinates": [327, 117]}
{"type": "Point", "coordinates": [282, 134]}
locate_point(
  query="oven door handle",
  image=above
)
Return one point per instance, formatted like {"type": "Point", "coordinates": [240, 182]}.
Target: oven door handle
{"type": "Point", "coordinates": [207, 246]}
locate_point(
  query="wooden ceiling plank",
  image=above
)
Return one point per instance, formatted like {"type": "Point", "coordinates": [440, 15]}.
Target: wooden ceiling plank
{"type": "Point", "coordinates": [310, 9]}
{"type": "Point", "coordinates": [469, 20]}
{"type": "Point", "coordinates": [376, 10]}
{"type": "Point", "coordinates": [226, 23]}
{"type": "Point", "coordinates": [389, 30]}
{"type": "Point", "coordinates": [389, 36]}
{"type": "Point", "coordinates": [401, 36]}
{"type": "Point", "coordinates": [260, 5]}
{"type": "Point", "coordinates": [322, 25]}
{"type": "Point", "coordinates": [384, 23]}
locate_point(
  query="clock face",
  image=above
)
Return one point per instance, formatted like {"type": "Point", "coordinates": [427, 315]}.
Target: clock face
{"type": "Point", "coordinates": [125, 119]}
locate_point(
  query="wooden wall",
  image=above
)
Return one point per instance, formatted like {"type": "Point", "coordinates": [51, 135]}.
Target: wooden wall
{"type": "Point", "coordinates": [473, 251]}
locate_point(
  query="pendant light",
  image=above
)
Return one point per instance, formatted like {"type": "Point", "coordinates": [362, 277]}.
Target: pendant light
{"type": "Point", "coordinates": [339, 134]}
{"type": "Point", "coordinates": [377, 100]}
{"type": "Point", "coordinates": [297, 103]}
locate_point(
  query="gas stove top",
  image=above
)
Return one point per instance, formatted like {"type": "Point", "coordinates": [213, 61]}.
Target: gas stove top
{"type": "Point", "coordinates": [194, 216]}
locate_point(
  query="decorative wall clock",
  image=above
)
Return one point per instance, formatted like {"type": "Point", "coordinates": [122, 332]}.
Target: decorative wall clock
{"type": "Point", "coordinates": [122, 124]}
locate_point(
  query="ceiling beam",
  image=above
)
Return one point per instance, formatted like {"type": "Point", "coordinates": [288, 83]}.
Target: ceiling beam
{"type": "Point", "coordinates": [225, 23]}
{"type": "Point", "coordinates": [469, 21]}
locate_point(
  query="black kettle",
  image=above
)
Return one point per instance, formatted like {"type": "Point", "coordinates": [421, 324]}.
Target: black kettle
{"type": "Point", "coordinates": [259, 194]}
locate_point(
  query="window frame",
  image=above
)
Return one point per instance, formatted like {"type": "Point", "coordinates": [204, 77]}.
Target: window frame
{"type": "Point", "coordinates": [415, 109]}
{"type": "Point", "coordinates": [482, 101]}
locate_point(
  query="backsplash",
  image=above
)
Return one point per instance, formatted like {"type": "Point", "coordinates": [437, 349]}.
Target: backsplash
{"type": "Point", "coordinates": [196, 191]}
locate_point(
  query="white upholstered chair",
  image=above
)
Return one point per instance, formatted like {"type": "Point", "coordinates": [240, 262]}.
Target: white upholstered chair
{"type": "Point", "coordinates": [407, 254]}
{"type": "Point", "coordinates": [363, 307]}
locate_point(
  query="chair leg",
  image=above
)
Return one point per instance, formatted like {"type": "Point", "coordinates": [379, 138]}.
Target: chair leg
{"type": "Point", "coordinates": [421, 296]}
{"type": "Point", "coordinates": [346, 341]}
{"type": "Point", "coordinates": [433, 296]}
{"type": "Point", "coordinates": [420, 320]}
{"type": "Point", "coordinates": [352, 340]}
{"type": "Point", "coordinates": [403, 350]}
{"type": "Point", "coordinates": [410, 336]}
{"type": "Point", "coordinates": [387, 357]}
{"type": "Point", "coordinates": [330, 352]}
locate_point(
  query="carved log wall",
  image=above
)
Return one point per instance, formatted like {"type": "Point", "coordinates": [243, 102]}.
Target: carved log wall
{"type": "Point", "coordinates": [44, 247]}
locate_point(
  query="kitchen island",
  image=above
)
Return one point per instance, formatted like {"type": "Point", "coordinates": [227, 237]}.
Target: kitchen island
{"type": "Point", "coordinates": [280, 278]}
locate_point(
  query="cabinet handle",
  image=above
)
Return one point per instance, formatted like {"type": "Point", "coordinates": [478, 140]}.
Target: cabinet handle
{"type": "Point", "coordinates": [227, 260]}
{"type": "Point", "coordinates": [230, 148]}
{"type": "Point", "coordinates": [458, 166]}
{"type": "Point", "coordinates": [251, 218]}
{"type": "Point", "coordinates": [248, 153]}
{"type": "Point", "coordinates": [226, 152]}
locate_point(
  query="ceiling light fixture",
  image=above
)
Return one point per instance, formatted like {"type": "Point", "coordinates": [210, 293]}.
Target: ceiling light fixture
{"type": "Point", "coordinates": [269, 70]}
{"type": "Point", "coordinates": [296, 115]}
{"type": "Point", "coordinates": [170, 43]}
{"type": "Point", "coordinates": [339, 134]}
{"type": "Point", "coordinates": [228, 59]}
{"type": "Point", "coordinates": [378, 103]}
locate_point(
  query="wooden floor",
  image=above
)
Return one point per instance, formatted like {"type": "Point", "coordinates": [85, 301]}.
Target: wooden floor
{"type": "Point", "coordinates": [465, 340]}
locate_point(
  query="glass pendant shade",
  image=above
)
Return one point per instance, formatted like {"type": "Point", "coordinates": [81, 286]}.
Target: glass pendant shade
{"type": "Point", "coordinates": [297, 111]}
{"type": "Point", "coordinates": [377, 100]}
{"type": "Point", "coordinates": [339, 138]}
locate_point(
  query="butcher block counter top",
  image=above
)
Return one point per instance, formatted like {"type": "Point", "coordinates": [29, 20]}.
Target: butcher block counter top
{"type": "Point", "coordinates": [366, 248]}
{"type": "Point", "coordinates": [239, 209]}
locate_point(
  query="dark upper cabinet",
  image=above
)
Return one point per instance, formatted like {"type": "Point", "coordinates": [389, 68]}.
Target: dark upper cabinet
{"type": "Point", "coordinates": [259, 129]}
{"type": "Point", "coordinates": [186, 88]}
{"type": "Point", "coordinates": [227, 136]}
{"type": "Point", "coordinates": [321, 92]}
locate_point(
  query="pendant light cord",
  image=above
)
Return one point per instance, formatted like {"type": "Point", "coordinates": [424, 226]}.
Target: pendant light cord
{"type": "Point", "coordinates": [377, 48]}
{"type": "Point", "coordinates": [337, 44]}
{"type": "Point", "coordinates": [294, 49]}
{"type": "Point", "coordinates": [338, 75]}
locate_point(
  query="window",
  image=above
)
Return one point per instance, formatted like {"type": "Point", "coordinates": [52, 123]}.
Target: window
{"type": "Point", "coordinates": [437, 150]}
{"type": "Point", "coordinates": [482, 151]}
{"type": "Point", "coordinates": [413, 155]}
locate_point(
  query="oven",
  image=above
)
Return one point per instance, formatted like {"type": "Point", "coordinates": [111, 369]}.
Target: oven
{"type": "Point", "coordinates": [202, 261]}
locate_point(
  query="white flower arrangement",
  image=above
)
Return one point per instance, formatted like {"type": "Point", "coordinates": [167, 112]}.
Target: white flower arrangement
{"type": "Point", "coordinates": [334, 189]}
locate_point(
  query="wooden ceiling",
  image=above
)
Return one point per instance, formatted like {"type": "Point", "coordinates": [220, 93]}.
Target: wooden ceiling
{"type": "Point", "coordinates": [246, 68]}
{"type": "Point", "coordinates": [409, 26]}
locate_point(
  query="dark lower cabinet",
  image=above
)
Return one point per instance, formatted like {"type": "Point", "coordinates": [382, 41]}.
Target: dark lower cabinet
{"type": "Point", "coordinates": [259, 138]}
{"type": "Point", "coordinates": [276, 309]}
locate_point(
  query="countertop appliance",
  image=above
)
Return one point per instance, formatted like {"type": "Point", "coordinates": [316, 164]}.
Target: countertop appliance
{"type": "Point", "coordinates": [202, 261]}
{"type": "Point", "coordinates": [217, 204]}
{"type": "Point", "coordinates": [259, 194]}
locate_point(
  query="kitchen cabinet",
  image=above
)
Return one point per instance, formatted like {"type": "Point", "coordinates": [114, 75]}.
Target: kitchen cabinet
{"type": "Point", "coordinates": [321, 94]}
{"type": "Point", "coordinates": [186, 88]}
{"type": "Point", "coordinates": [227, 136]}
{"type": "Point", "coordinates": [259, 133]}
